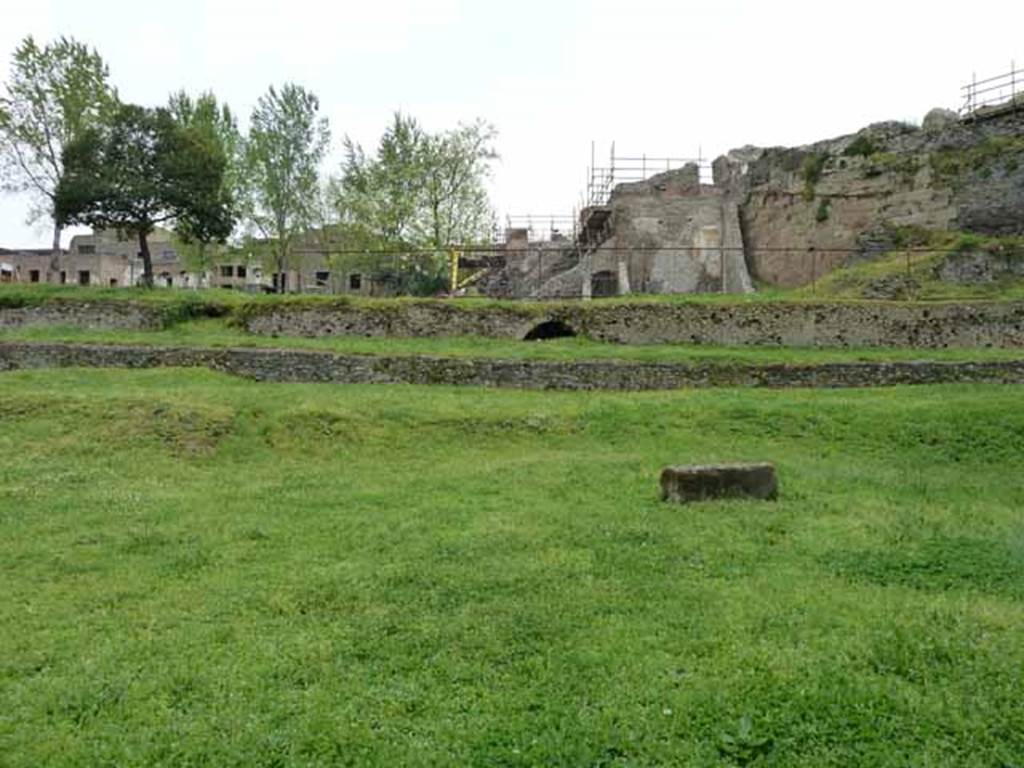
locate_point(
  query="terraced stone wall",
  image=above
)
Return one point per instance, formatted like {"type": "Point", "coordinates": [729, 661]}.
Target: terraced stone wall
{"type": "Point", "coordinates": [308, 366]}
{"type": "Point", "coordinates": [865, 324]}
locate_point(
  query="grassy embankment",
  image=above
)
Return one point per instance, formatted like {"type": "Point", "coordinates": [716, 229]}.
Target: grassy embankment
{"type": "Point", "coordinates": [205, 571]}
{"type": "Point", "coordinates": [219, 302]}
{"type": "Point", "coordinates": [914, 271]}
{"type": "Point", "coordinates": [221, 333]}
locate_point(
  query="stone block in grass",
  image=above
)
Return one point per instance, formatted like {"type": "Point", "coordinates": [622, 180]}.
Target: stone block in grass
{"type": "Point", "coordinates": [716, 481]}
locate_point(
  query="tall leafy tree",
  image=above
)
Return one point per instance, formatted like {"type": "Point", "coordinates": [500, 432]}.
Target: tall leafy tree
{"type": "Point", "coordinates": [419, 192]}
{"type": "Point", "coordinates": [218, 125]}
{"type": "Point", "coordinates": [286, 146]}
{"type": "Point", "coordinates": [54, 94]}
{"type": "Point", "coordinates": [141, 170]}
{"type": "Point", "coordinates": [380, 197]}
{"type": "Point", "coordinates": [457, 208]}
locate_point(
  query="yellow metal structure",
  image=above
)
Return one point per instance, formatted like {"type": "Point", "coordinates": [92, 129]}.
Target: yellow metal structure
{"type": "Point", "coordinates": [453, 284]}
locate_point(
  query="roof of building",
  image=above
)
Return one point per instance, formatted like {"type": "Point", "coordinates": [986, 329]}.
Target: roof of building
{"type": "Point", "coordinates": [28, 251]}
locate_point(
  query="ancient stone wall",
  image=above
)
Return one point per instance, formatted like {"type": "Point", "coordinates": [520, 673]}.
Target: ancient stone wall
{"type": "Point", "coordinates": [667, 234]}
{"type": "Point", "coordinates": [99, 315]}
{"type": "Point", "coordinates": [676, 235]}
{"type": "Point", "coordinates": [799, 324]}
{"type": "Point", "coordinates": [308, 366]}
{"type": "Point", "coordinates": [809, 210]}
{"type": "Point", "coordinates": [788, 216]}
{"type": "Point", "coordinates": [802, 324]}
{"type": "Point", "coordinates": [406, 319]}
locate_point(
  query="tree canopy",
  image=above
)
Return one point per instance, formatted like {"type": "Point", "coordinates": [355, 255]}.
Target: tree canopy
{"type": "Point", "coordinates": [420, 192]}
{"type": "Point", "coordinates": [216, 123]}
{"type": "Point", "coordinates": [141, 169]}
{"type": "Point", "coordinates": [88, 159]}
{"type": "Point", "coordinates": [53, 95]}
{"type": "Point", "coordinates": [286, 147]}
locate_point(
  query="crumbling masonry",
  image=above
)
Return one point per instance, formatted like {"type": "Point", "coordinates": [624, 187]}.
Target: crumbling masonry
{"type": "Point", "coordinates": [782, 216]}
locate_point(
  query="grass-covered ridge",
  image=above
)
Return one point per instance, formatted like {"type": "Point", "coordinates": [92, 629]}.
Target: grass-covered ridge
{"type": "Point", "coordinates": [219, 332]}
{"type": "Point", "coordinates": [220, 301]}
{"type": "Point", "coordinates": [182, 304]}
{"type": "Point", "coordinates": [914, 270]}
{"type": "Point", "coordinates": [200, 570]}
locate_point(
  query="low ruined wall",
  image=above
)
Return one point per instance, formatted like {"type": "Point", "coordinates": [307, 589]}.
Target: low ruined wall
{"type": "Point", "coordinates": [755, 323]}
{"type": "Point", "coordinates": [809, 325]}
{"type": "Point", "coordinates": [99, 315]}
{"type": "Point", "coordinates": [798, 324]}
{"type": "Point", "coordinates": [306, 366]}
{"type": "Point", "coordinates": [408, 319]}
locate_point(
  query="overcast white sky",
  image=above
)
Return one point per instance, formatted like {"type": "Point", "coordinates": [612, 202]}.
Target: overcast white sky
{"type": "Point", "coordinates": [660, 77]}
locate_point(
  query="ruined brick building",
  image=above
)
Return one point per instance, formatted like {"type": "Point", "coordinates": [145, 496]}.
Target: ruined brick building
{"type": "Point", "coordinates": [784, 216]}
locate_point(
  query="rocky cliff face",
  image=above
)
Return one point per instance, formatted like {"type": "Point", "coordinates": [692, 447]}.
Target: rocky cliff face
{"type": "Point", "coordinates": [809, 210]}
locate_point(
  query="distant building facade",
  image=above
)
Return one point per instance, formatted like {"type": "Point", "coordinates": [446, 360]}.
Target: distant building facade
{"type": "Point", "coordinates": [104, 259]}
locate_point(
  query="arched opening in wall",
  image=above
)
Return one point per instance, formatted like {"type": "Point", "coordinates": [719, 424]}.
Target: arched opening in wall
{"type": "Point", "coordinates": [550, 329]}
{"type": "Point", "coordinates": [604, 284]}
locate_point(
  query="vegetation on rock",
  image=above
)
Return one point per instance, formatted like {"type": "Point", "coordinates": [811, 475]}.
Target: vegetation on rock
{"type": "Point", "coordinates": [811, 171]}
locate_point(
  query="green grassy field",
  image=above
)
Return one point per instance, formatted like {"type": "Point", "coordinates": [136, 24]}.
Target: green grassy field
{"type": "Point", "coordinates": [199, 570]}
{"type": "Point", "coordinates": [218, 332]}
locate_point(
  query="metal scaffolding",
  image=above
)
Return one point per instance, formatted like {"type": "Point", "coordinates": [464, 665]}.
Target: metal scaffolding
{"type": "Point", "coordinates": [542, 226]}
{"type": "Point", "coordinates": [994, 94]}
{"type": "Point", "coordinates": [601, 180]}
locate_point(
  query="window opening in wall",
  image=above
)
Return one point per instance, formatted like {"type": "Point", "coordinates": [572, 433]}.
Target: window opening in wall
{"type": "Point", "coordinates": [355, 282]}
{"type": "Point", "coordinates": [322, 278]}
{"type": "Point", "coordinates": [113, 281]}
{"type": "Point", "coordinates": [33, 275]}
{"type": "Point", "coordinates": [603, 284]}
{"type": "Point", "coordinates": [241, 271]}
{"type": "Point", "coordinates": [87, 250]}
{"type": "Point", "coordinates": [63, 277]}
{"type": "Point", "coordinates": [227, 270]}
{"type": "Point", "coordinates": [83, 277]}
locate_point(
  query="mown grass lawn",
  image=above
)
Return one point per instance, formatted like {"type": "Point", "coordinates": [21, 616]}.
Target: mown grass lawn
{"type": "Point", "coordinates": [199, 570]}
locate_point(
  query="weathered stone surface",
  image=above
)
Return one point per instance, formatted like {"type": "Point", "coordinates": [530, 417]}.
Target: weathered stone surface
{"type": "Point", "coordinates": [98, 315]}
{"type": "Point", "coordinates": [940, 119]}
{"type": "Point", "coordinates": [674, 235]}
{"type": "Point", "coordinates": [975, 267]}
{"type": "Point", "coordinates": [714, 481]}
{"type": "Point", "coordinates": [952, 175]}
{"type": "Point", "coordinates": [310, 366]}
{"type": "Point", "coordinates": [867, 324]}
